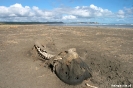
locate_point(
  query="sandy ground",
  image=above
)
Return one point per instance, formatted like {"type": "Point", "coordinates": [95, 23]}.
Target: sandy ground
{"type": "Point", "coordinates": [108, 52]}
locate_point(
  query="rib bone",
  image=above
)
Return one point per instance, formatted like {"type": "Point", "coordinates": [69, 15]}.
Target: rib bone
{"type": "Point", "coordinates": [43, 53]}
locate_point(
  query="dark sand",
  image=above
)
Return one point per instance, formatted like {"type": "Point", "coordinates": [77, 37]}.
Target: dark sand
{"type": "Point", "coordinates": [108, 52]}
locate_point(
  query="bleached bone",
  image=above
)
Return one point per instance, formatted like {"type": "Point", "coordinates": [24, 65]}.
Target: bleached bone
{"type": "Point", "coordinates": [91, 86]}
{"type": "Point", "coordinates": [43, 53]}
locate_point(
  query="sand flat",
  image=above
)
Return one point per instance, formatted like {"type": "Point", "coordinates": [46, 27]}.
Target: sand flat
{"type": "Point", "coordinates": [108, 52]}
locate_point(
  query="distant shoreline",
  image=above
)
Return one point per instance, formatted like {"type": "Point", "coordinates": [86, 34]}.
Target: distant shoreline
{"type": "Point", "coordinates": [28, 23]}
{"type": "Point", "coordinates": [97, 25]}
{"type": "Point", "coordinates": [101, 25]}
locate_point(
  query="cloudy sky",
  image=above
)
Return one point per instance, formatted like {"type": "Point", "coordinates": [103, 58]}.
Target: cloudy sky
{"type": "Point", "coordinates": [102, 11]}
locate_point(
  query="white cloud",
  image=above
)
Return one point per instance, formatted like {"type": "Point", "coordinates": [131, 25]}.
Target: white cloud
{"type": "Point", "coordinates": [80, 12]}
{"type": "Point", "coordinates": [121, 14]}
{"type": "Point", "coordinates": [69, 17]}
{"type": "Point", "coordinates": [14, 13]}
{"type": "Point", "coordinates": [126, 13]}
{"type": "Point", "coordinates": [129, 10]}
{"type": "Point", "coordinates": [17, 12]}
{"type": "Point", "coordinates": [95, 7]}
{"type": "Point", "coordinates": [89, 11]}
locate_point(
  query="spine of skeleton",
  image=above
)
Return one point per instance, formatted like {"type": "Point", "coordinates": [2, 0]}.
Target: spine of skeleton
{"type": "Point", "coordinates": [42, 52]}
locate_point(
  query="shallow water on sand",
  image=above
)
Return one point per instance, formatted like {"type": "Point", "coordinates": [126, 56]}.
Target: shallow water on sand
{"type": "Point", "coordinates": [98, 25]}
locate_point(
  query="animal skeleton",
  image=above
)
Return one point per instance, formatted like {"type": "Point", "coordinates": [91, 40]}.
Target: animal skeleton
{"type": "Point", "coordinates": [67, 65]}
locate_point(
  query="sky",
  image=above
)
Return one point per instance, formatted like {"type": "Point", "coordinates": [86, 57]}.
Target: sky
{"type": "Point", "coordinates": [102, 11]}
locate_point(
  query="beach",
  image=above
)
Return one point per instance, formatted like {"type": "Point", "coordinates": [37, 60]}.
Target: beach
{"type": "Point", "coordinates": [107, 51]}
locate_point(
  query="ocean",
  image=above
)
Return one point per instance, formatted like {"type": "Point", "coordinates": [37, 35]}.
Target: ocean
{"type": "Point", "coordinates": [97, 25]}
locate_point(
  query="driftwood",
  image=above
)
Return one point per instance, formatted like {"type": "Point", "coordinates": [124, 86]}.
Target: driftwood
{"type": "Point", "coordinates": [67, 65]}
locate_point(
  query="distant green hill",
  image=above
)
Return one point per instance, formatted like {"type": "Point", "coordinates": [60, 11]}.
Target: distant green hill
{"type": "Point", "coordinates": [31, 23]}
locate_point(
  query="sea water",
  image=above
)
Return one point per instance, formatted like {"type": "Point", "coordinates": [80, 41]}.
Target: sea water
{"type": "Point", "coordinates": [97, 25]}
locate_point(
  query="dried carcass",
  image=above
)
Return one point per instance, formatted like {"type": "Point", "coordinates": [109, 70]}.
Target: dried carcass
{"type": "Point", "coordinates": [67, 65]}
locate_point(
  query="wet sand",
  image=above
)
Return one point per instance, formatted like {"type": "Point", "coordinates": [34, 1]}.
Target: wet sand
{"type": "Point", "coordinates": [107, 51]}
